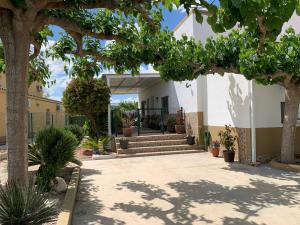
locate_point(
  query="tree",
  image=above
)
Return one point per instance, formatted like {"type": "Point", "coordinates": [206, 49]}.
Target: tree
{"type": "Point", "coordinates": [254, 53]}
{"type": "Point", "coordinates": [86, 24]}
{"type": "Point", "coordinates": [128, 105]}
{"type": "Point", "coordinates": [87, 97]}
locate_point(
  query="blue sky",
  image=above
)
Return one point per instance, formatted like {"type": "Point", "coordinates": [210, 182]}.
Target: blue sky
{"type": "Point", "coordinates": [171, 19]}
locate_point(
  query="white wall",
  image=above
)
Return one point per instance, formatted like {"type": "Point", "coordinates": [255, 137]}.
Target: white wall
{"type": "Point", "coordinates": [225, 100]}
{"type": "Point", "coordinates": [186, 28]}
{"type": "Point", "coordinates": [179, 95]}
{"type": "Point", "coordinates": [267, 105]}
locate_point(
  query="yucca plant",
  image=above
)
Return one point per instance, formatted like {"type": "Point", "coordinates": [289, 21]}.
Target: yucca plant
{"type": "Point", "coordinates": [52, 150]}
{"type": "Point", "coordinates": [22, 205]}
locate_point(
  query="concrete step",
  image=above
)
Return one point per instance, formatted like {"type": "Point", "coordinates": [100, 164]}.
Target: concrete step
{"type": "Point", "coordinates": [154, 143]}
{"type": "Point", "coordinates": [157, 149]}
{"type": "Point", "coordinates": [158, 153]}
{"type": "Point", "coordinates": [156, 137]}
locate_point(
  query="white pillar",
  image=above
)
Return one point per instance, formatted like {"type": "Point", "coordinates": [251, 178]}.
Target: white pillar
{"type": "Point", "coordinates": [109, 120]}
{"type": "Point", "coordinates": [252, 122]}
{"type": "Point", "coordinates": [109, 111]}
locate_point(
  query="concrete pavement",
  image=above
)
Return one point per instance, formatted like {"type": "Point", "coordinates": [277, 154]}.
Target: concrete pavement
{"type": "Point", "coordinates": [185, 189]}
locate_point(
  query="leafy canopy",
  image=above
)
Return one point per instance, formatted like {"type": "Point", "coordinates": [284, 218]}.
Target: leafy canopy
{"type": "Point", "coordinates": [86, 97]}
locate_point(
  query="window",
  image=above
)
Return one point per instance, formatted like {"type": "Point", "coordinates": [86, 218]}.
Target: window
{"type": "Point", "coordinates": [165, 104]}
{"type": "Point", "coordinates": [58, 107]}
{"type": "Point", "coordinates": [39, 88]}
{"type": "Point", "coordinates": [48, 119]}
{"type": "Point", "coordinates": [282, 112]}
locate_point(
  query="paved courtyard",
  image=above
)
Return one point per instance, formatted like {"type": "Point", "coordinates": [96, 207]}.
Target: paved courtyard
{"type": "Point", "coordinates": [185, 189]}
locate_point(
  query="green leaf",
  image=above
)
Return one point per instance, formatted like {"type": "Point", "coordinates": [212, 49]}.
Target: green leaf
{"type": "Point", "coordinates": [298, 8]}
{"type": "Point", "coordinates": [199, 17]}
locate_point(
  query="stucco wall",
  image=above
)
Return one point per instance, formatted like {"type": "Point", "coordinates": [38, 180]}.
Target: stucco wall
{"type": "Point", "coordinates": [225, 100]}
{"type": "Point", "coordinates": [37, 107]}
{"type": "Point", "coordinates": [179, 95]}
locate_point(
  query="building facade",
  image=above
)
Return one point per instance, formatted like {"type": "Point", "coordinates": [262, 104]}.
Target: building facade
{"type": "Point", "coordinates": [42, 112]}
{"type": "Point", "coordinates": [211, 101]}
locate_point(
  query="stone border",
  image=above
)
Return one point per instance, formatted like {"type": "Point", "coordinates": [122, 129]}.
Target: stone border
{"type": "Point", "coordinates": [65, 216]}
{"type": "Point", "coordinates": [102, 157]}
{"type": "Point", "coordinates": [287, 167]}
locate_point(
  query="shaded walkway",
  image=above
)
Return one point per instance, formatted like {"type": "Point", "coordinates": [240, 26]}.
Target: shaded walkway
{"type": "Point", "coordinates": [185, 189]}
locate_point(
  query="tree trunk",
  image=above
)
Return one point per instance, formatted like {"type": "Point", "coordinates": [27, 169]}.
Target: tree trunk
{"type": "Point", "coordinates": [16, 41]}
{"type": "Point", "coordinates": [292, 101]}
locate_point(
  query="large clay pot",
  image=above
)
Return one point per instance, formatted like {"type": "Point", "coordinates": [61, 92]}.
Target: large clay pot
{"type": "Point", "coordinates": [215, 152]}
{"type": "Point", "coordinates": [171, 129]}
{"type": "Point", "coordinates": [180, 129]}
{"type": "Point", "coordinates": [228, 156]}
{"type": "Point", "coordinates": [127, 132]}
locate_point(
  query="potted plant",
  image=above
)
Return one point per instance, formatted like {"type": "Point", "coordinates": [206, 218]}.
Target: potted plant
{"type": "Point", "coordinates": [228, 140]}
{"type": "Point", "coordinates": [92, 143]}
{"type": "Point", "coordinates": [215, 148]}
{"type": "Point", "coordinates": [96, 144]}
{"type": "Point", "coordinates": [127, 123]}
{"type": "Point", "coordinates": [171, 122]}
{"type": "Point", "coordinates": [180, 126]}
{"type": "Point", "coordinates": [124, 143]}
{"type": "Point", "coordinates": [190, 138]}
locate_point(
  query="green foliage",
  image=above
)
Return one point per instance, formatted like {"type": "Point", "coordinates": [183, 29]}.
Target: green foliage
{"type": "Point", "coordinates": [96, 143]}
{"type": "Point", "coordinates": [90, 98]}
{"type": "Point", "coordinates": [229, 13]}
{"type": "Point", "coordinates": [186, 59]}
{"type": "Point", "coordinates": [128, 105]}
{"type": "Point", "coordinates": [52, 150]}
{"type": "Point", "coordinates": [86, 97]}
{"type": "Point", "coordinates": [76, 130]}
{"type": "Point", "coordinates": [21, 205]}
{"type": "Point", "coordinates": [227, 138]}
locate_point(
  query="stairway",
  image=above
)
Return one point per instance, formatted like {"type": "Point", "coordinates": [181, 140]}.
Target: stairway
{"type": "Point", "coordinates": [150, 145]}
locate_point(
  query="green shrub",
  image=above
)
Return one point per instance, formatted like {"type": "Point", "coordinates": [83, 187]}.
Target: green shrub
{"type": "Point", "coordinates": [52, 150]}
{"type": "Point", "coordinates": [76, 130]}
{"type": "Point", "coordinates": [20, 205]}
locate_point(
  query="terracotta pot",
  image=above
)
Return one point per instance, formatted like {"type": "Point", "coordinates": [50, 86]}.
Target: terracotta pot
{"type": "Point", "coordinates": [215, 152]}
{"type": "Point", "coordinates": [127, 132]}
{"type": "Point", "coordinates": [228, 156]}
{"type": "Point", "coordinates": [171, 129]}
{"type": "Point", "coordinates": [180, 129]}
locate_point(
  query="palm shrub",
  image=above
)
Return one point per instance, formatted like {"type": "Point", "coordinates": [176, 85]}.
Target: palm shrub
{"type": "Point", "coordinates": [20, 205]}
{"type": "Point", "coordinates": [77, 131]}
{"type": "Point", "coordinates": [52, 150]}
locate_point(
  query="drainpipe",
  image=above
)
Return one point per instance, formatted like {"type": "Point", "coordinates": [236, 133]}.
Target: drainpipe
{"type": "Point", "coordinates": [252, 122]}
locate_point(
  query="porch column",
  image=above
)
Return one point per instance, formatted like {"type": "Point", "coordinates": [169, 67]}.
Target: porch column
{"type": "Point", "coordinates": [108, 110]}
{"type": "Point", "coordinates": [109, 119]}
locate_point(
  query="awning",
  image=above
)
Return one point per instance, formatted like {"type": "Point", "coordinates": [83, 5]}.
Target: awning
{"type": "Point", "coordinates": [128, 84]}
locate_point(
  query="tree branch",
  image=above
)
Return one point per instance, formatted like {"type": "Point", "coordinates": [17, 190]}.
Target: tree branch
{"type": "Point", "coordinates": [112, 4]}
{"type": "Point", "coordinates": [37, 48]}
{"type": "Point", "coordinates": [262, 32]}
{"type": "Point", "coordinates": [82, 52]}
{"type": "Point", "coordinates": [74, 27]}
{"type": "Point", "coordinates": [222, 71]}
{"type": "Point", "coordinates": [6, 4]}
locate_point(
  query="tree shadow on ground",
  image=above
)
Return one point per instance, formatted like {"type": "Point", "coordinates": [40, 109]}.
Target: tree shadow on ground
{"type": "Point", "coordinates": [88, 207]}
{"type": "Point", "coordinates": [247, 201]}
{"type": "Point", "coordinates": [264, 171]}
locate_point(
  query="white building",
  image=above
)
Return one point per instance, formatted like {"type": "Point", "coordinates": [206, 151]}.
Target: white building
{"type": "Point", "coordinates": [210, 102]}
